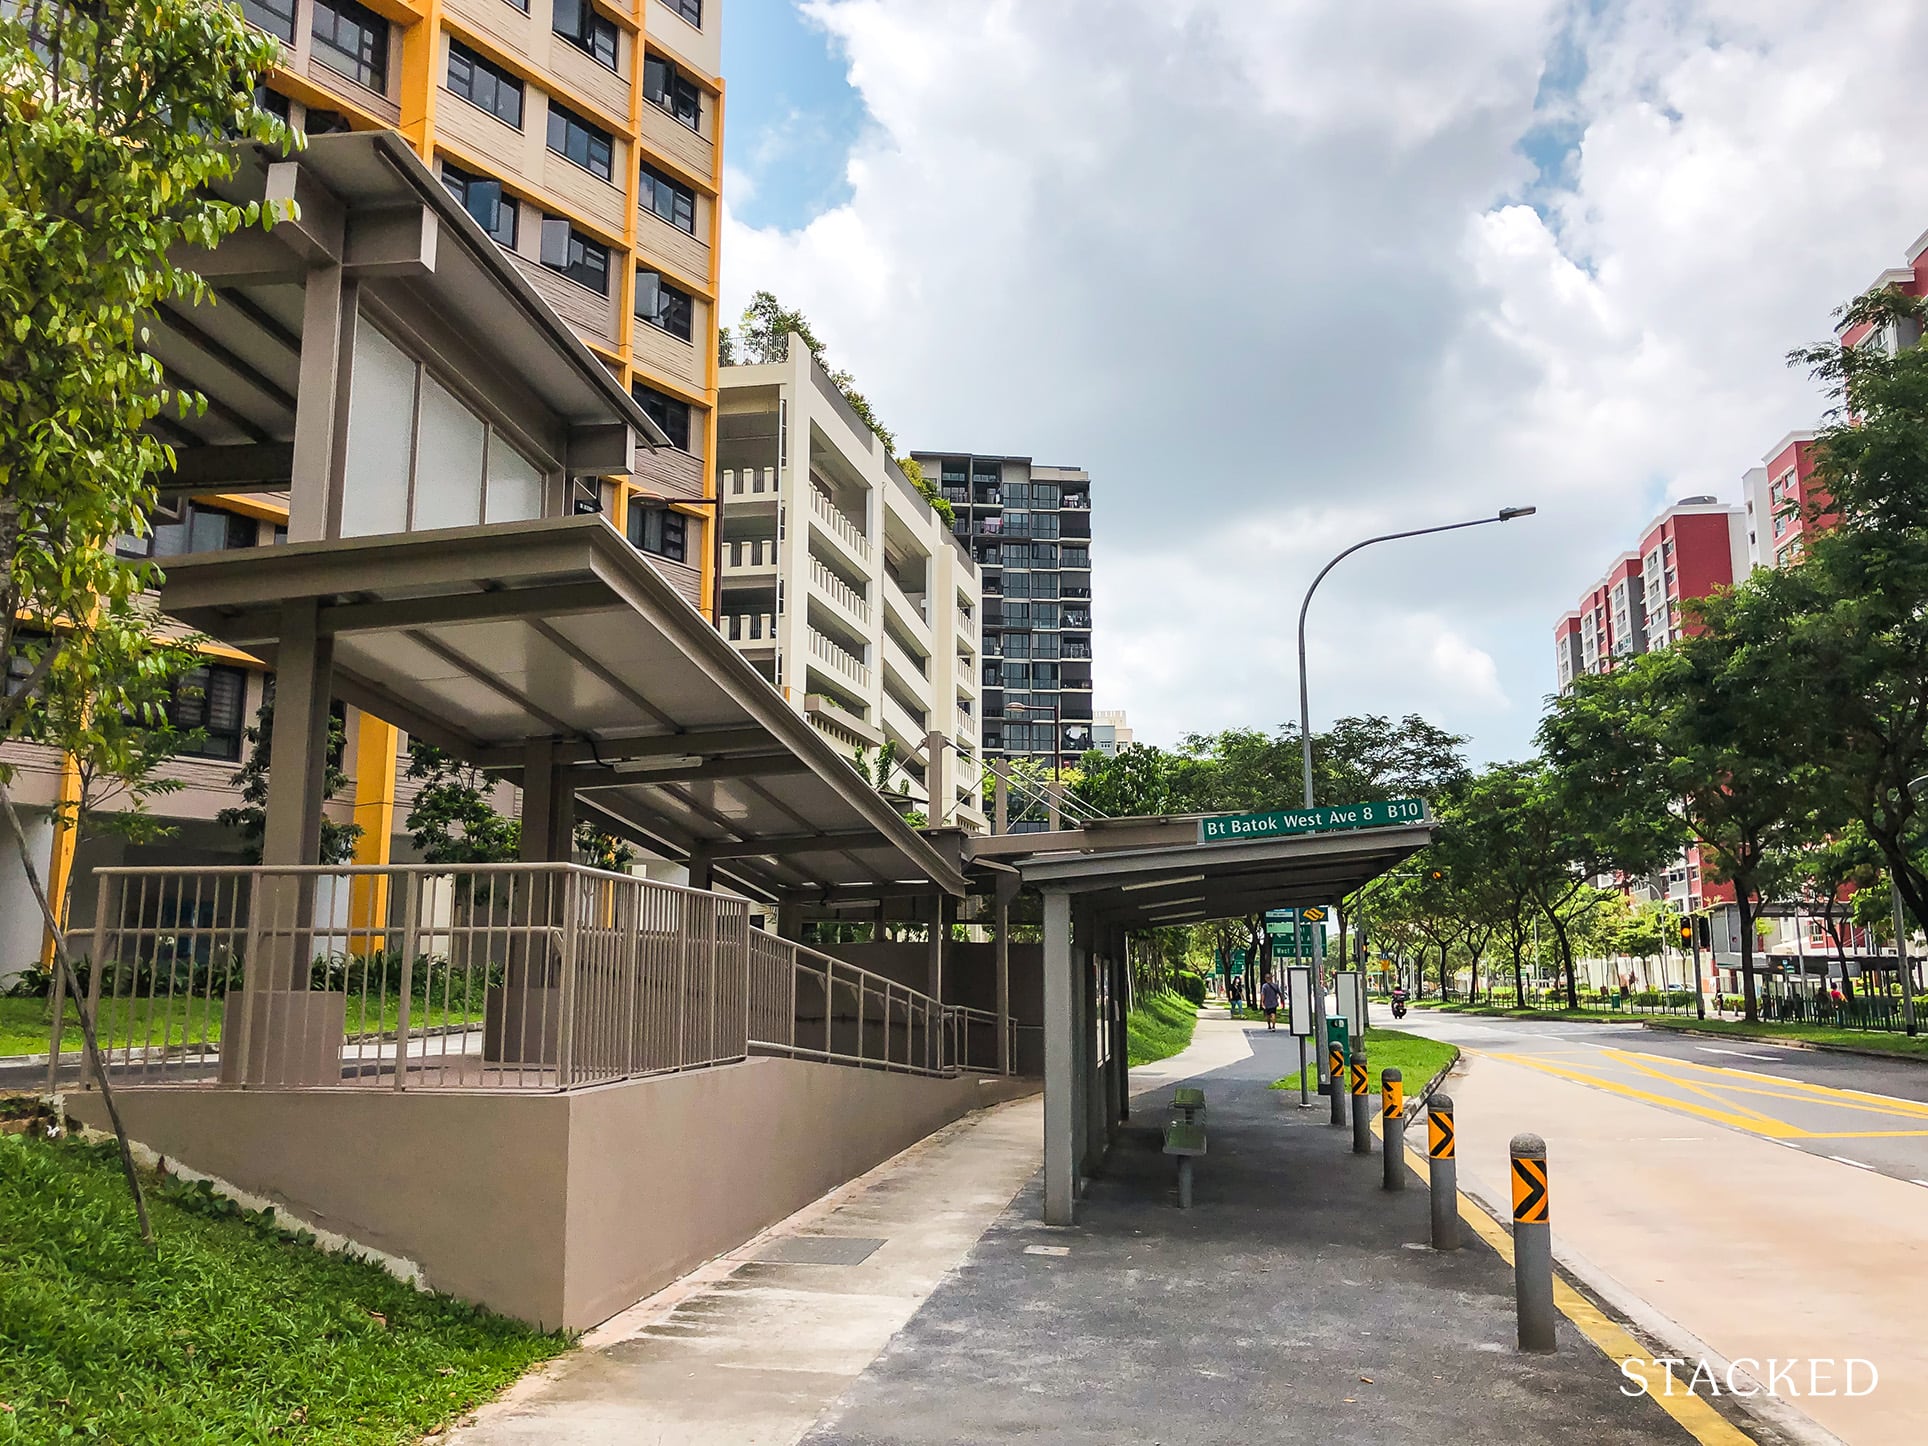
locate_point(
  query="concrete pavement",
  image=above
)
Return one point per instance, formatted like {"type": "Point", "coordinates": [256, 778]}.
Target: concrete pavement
{"type": "Point", "coordinates": [750, 1349]}
{"type": "Point", "coordinates": [1709, 1193]}
{"type": "Point", "coordinates": [1296, 1301]}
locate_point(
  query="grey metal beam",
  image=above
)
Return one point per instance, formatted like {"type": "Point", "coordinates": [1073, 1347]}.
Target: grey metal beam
{"type": "Point", "coordinates": [249, 464]}
{"type": "Point", "coordinates": [704, 744]}
{"type": "Point", "coordinates": [391, 243]}
{"type": "Point", "coordinates": [802, 843]}
{"type": "Point", "coordinates": [313, 221]}
{"type": "Point", "coordinates": [591, 779]}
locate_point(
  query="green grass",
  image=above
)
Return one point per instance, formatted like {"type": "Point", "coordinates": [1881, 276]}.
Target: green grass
{"type": "Point", "coordinates": [1159, 1027]}
{"type": "Point", "coordinates": [1874, 1041]}
{"type": "Point", "coordinates": [1417, 1059]}
{"type": "Point", "coordinates": [231, 1333]}
{"type": "Point", "coordinates": [24, 1024]}
{"type": "Point", "coordinates": [1590, 1016]}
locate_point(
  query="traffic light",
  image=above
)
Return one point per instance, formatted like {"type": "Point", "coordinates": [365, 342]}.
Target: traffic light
{"type": "Point", "coordinates": [1438, 876]}
{"type": "Point", "coordinates": [1686, 933]}
{"type": "Point", "coordinates": [1706, 927]}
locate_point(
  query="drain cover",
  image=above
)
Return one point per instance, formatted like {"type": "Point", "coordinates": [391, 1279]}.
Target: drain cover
{"type": "Point", "coordinates": [818, 1250]}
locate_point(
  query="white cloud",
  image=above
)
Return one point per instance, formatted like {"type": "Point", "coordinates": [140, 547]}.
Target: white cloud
{"type": "Point", "coordinates": [1268, 272]}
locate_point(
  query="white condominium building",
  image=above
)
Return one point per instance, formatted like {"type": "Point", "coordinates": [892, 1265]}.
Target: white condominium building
{"type": "Point", "coordinates": [842, 585]}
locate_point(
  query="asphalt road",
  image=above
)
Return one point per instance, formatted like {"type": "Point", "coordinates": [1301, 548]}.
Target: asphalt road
{"type": "Point", "coordinates": [1865, 1114]}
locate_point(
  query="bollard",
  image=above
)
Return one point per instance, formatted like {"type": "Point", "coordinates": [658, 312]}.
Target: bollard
{"type": "Point", "coordinates": [1443, 1172]}
{"type": "Point", "coordinates": [1392, 1124]}
{"type": "Point", "coordinates": [1337, 1062]}
{"type": "Point", "coordinates": [1361, 1105]}
{"type": "Point", "coordinates": [1532, 1244]}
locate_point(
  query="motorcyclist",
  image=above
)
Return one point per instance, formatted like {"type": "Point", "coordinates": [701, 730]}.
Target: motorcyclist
{"type": "Point", "coordinates": [1399, 1002]}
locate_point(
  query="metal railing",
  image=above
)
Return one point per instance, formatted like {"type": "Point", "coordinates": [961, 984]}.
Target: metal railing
{"type": "Point", "coordinates": [408, 976]}
{"type": "Point", "coordinates": [542, 977]}
{"type": "Point", "coordinates": [809, 1005]}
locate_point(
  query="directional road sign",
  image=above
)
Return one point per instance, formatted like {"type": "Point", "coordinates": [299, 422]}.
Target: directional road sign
{"type": "Point", "coordinates": [1279, 823]}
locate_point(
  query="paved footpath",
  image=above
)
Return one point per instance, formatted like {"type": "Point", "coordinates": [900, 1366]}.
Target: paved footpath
{"type": "Point", "coordinates": [1286, 1305]}
{"type": "Point", "coordinates": [924, 1303]}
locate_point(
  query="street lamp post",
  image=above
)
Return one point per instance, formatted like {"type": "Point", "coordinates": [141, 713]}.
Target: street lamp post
{"type": "Point", "coordinates": [1505, 514]}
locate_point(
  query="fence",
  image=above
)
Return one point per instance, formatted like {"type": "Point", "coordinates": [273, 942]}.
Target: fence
{"type": "Point", "coordinates": [487, 976]}
{"type": "Point", "coordinates": [809, 1005]}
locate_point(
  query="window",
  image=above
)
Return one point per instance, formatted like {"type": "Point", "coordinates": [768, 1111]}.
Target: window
{"type": "Point", "coordinates": [658, 530]}
{"type": "Point", "coordinates": [575, 139]}
{"type": "Point", "coordinates": [484, 85]}
{"type": "Point", "coordinates": [663, 306]}
{"type": "Point", "coordinates": [272, 101]}
{"type": "Point", "coordinates": [690, 10]}
{"type": "Point", "coordinates": [567, 250]}
{"type": "Point", "coordinates": [667, 412]}
{"type": "Point", "coordinates": [675, 92]}
{"type": "Point", "coordinates": [673, 202]}
{"type": "Point", "coordinates": [197, 529]}
{"type": "Point", "coordinates": [353, 40]}
{"type": "Point", "coordinates": [277, 17]}
{"type": "Point", "coordinates": [210, 700]}
{"type": "Point", "coordinates": [482, 198]}
{"type": "Point", "coordinates": [578, 23]}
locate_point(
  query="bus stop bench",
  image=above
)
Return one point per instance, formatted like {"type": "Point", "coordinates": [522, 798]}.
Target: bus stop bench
{"type": "Point", "coordinates": [1188, 1106]}
{"type": "Point", "coordinates": [1185, 1140]}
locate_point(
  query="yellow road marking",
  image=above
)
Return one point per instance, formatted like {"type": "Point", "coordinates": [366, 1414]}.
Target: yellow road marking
{"type": "Point", "coordinates": [1759, 1124]}
{"type": "Point", "coordinates": [1878, 1101]}
{"type": "Point", "coordinates": [1704, 1091]}
{"type": "Point", "coordinates": [1864, 1134]}
{"type": "Point", "coordinates": [1692, 1414]}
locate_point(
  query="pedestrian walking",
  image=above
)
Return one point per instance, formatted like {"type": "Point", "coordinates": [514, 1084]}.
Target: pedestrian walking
{"type": "Point", "coordinates": [1269, 1002]}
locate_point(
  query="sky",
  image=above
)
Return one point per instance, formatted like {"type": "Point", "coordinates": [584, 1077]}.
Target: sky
{"type": "Point", "coordinates": [1285, 274]}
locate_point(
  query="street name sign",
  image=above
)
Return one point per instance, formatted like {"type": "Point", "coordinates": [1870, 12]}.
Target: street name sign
{"type": "Point", "coordinates": [1283, 822]}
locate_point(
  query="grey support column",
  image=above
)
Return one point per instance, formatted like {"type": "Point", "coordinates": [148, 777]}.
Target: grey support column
{"type": "Point", "coordinates": [1120, 1046]}
{"type": "Point", "coordinates": [940, 922]}
{"type": "Point", "coordinates": [328, 310]}
{"type": "Point", "coordinates": [1097, 1102]}
{"type": "Point", "coordinates": [701, 868]}
{"type": "Point", "coordinates": [1007, 889]}
{"type": "Point", "coordinates": [1060, 1039]}
{"type": "Point", "coordinates": [304, 671]}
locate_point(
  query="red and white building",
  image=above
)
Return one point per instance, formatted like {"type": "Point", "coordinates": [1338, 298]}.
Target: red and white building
{"type": "Point", "coordinates": [1692, 549]}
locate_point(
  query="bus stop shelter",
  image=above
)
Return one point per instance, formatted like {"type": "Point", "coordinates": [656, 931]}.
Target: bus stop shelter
{"type": "Point", "coordinates": [1095, 897]}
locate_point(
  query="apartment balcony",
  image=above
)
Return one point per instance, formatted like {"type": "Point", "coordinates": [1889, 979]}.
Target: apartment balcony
{"type": "Point", "coordinates": [751, 631]}
{"type": "Point", "coordinates": [1074, 502]}
{"type": "Point", "coordinates": [749, 487]}
{"type": "Point", "coordinates": [842, 597]}
{"type": "Point", "coordinates": [1075, 527]}
{"type": "Point", "coordinates": [912, 672]}
{"type": "Point", "coordinates": [839, 662]}
{"type": "Point", "coordinates": [1074, 649]}
{"type": "Point", "coordinates": [1075, 620]}
{"type": "Point", "coordinates": [840, 530]}
{"type": "Point", "coordinates": [908, 611]}
{"type": "Point", "coordinates": [955, 495]}
{"type": "Point", "coordinates": [750, 557]}
{"type": "Point", "coordinates": [901, 723]}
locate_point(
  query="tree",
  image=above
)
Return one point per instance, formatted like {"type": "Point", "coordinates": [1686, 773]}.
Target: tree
{"type": "Point", "coordinates": [1827, 878]}
{"type": "Point", "coordinates": [1853, 613]}
{"type": "Point", "coordinates": [452, 820]}
{"type": "Point", "coordinates": [250, 817]}
{"type": "Point", "coordinates": [113, 116]}
{"type": "Point", "coordinates": [1695, 732]}
{"type": "Point", "coordinates": [1643, 934]}
{"type": "Point", "coordinates": [764, 336]}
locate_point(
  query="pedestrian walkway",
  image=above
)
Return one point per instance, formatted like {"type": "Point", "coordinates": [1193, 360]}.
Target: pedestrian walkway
{"type": "Point", "coordinates": [1288, 1304]}
{"type": "Point", "coordinates": [923, 1303]}
{"type": "Point", "coordinates": [752, 1348]}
